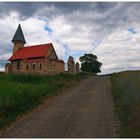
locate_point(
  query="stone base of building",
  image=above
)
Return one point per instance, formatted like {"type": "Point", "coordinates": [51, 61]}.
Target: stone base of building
{"type": "Point", "coordinates": [41, 66]}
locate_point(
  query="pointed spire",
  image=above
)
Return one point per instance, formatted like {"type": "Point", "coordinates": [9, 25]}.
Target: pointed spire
{"type": "Point", "coordinates": [19, 36]}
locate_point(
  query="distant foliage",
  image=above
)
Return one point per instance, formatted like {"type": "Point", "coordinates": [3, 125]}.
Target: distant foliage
{"type": "Point", "coordinates": [90, 63]}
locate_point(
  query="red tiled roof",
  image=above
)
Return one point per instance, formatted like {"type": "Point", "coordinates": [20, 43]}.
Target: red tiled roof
{"type": "Point", "coordinates": [31, 52]}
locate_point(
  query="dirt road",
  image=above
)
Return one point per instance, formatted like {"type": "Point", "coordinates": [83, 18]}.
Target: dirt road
{"type": "Point", "coordinates": [85, 110]}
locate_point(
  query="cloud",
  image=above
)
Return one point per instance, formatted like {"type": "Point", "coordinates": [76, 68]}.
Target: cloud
{"type": "Point", "coordinates": [119, 51]}
{"type": "Point", "coordinates": [110, 30]}
{"type": "Point", "coordinates": [76, 38]}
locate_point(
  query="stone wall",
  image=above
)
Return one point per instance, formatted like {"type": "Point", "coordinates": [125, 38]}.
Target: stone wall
{"type": "Point", "coordinates": [77, 67]}
{"type": "Point", "coordinates": [7, 68]}
{"type": "Point", "coordinates": [42, 66]}
{"type": "Point", "coordinates": [72, 67]}
{"type": "Point", "coordinates": [17, 46]}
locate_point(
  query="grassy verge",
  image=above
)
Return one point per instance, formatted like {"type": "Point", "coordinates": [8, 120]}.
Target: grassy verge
{"type": "Point", "coordinates": [20, 93]}
{"type": "Point", "coordinates": [126, 93]}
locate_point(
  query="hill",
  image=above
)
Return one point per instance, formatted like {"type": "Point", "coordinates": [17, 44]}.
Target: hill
{"type": "Point", "coordinates": [126, 93]}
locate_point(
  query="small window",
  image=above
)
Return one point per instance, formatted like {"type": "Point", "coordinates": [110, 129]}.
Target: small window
{"type": "Point", "coordinates": [33, 66]}
{"type": "Point", "coordinates": [27, 67]}
{"type": "Point", "coordinates": [18, 65]}
{"type": "Point", "coordinates": [40, 66]}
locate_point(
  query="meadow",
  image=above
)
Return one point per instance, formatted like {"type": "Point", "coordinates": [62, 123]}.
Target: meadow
{"type": "Point", "coordinates": [20, 93]}
{"type": "Point", "coordinates": [126, 94]}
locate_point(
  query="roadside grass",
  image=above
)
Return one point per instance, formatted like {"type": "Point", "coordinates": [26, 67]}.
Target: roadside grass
{"type": "Point", "coordinates": [20, 93]}
{"type": "Point", "coordinates": [126, 94]}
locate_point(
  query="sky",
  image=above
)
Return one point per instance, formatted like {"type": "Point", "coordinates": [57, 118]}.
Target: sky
{"type": "Point", "coordinates": [110, 30]}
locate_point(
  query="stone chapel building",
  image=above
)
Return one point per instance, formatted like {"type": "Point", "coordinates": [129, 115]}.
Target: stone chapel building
{"type": "Point", "coordinates": [37, 59]}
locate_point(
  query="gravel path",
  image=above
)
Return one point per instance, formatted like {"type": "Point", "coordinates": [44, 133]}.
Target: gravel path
{"type": "Point", "coordinates": [85, 110]}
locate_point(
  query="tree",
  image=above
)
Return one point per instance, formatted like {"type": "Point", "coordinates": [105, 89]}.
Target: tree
{"type": "Point", "coordinates": [90, 63]}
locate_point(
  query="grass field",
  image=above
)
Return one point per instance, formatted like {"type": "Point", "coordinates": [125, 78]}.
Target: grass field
{"type": "Point", "coordinates": [20, 93]}
{"type": "Point", "coordinates": [126, 93]}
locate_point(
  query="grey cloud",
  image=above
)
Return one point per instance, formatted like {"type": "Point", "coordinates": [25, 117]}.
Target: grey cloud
{"type": "Point", "coordinates": [107, 15]}
{"type": "Point", "coordinates": [27, 9]}
{"type": "Point", "coordinates": [24, 7]}
{"type": "Point", "coordinates": [103, 6]}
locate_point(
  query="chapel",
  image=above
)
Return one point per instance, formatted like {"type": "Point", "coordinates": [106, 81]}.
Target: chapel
{"type": "Point", "coordinates": [36, 59]}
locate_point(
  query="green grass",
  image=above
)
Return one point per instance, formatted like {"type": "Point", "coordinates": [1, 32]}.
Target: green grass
{"type": "Point", "coordinates": [126, 93]}
{"type": "Point", "coordinates": [20, 93]}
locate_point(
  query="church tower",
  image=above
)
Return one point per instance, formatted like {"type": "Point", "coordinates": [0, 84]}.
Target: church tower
{"type": "Point", "coordinates": [18, 39]}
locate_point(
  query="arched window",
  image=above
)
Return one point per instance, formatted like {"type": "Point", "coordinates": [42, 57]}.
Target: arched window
{"type": "Point", "coordinates": [27, 67]}
{"type": "Point", "coordinates": [18, 65]}
{"type": "Point", "coordinates": [40, 66]}
{"type": "Point", "coordinates": [33, 66]}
